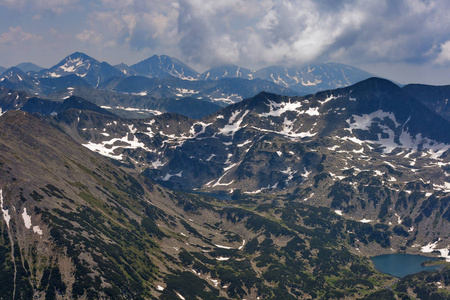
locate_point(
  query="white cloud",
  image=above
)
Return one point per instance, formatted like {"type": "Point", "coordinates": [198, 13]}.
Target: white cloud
{"type": "Point", "coordinates": [53, 6]}
{"type": "Point", "coordinates": [282, 31]}
{"type": "Point", "coordinates": [444, 54]}
{"type": "Point", "coordinates": [259, 32]}
{"type": "Point", "coordinates": [89, 36]}
{"type": "Point", "coordinates": [16, 35]}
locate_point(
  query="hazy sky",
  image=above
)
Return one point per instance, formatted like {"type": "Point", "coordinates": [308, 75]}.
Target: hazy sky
{"type": "Point", "coordinates": [403, 40]}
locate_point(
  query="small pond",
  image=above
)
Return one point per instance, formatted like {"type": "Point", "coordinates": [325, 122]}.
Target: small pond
{"type": "Point", "coordinates": [400, 265]}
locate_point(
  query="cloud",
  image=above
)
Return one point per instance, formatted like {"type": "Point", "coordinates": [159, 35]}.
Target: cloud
{"type": "Point", "coordinates": [16, 35]}
{"type": "Point", "coordinates": [14, 4]}
{"type": "Point", "coordinates": [134, 24]}
{"type": "Point", "coordinates": [52, 6]}
{"type": "Point", "coordinates": [279, 31]}
{"type": "Point", "coordinates": [444, 54]}
{"type": "Point", "coordinates": [256, 33]}
{"type": "Point", "coordinates": [89, 36]}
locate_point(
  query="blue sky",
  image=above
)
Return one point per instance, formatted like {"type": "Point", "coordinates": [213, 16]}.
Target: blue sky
{"type": "Point", "coordinates": [403, 40]}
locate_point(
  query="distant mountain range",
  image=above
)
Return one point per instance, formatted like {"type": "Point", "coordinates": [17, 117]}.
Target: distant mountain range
{"type": "Point", "coordinates": [299, 80]}
{"type": "Point", "coordinates": [25, 67]}
{"type": "Point", "coordinates": [29, 67]}
{"type": "Point", "coordinates": [154, 85]}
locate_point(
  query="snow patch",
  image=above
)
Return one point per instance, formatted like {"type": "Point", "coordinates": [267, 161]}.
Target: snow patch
{"type": "Point", "coordinates": [192, 130]}
{"type": "Point", "coordinates": [211, 157]}
{"type": "Point", "coordinates": [223, 247]}
{"type": "Point", "coordinates": [429, 248]}
{"type": "Point", "coordinates": [311, 111]}
{"type": "Point", "coordinates": [215, 282]}
{"type": "Point", "coordinates": [168, 176]}
{"type": "Point", "coordinates": [328, 99]}
{"type": "Point", "coordinates": [261, 189]}
{"type": "Point", "coordinates": [221, 258]}
{"type": "Point", "coordinates": [37, 229]}
{"type": "Point", "coordinates": [107, 148]}
{"type": "Point", "coordinates": [242, 246]}
{"type": "Point", "coordinates": [232, 127]}
{"type": "Point", "coordinates": [365, 220]}
{"type": "Point", "coordinates": [445, 254]}
{"type": "Point", "coordinates": [26, 218]}
{"type": "Point", "coordinates": [364, 122]}
{"type": "Point", "coordinates": [244, 143]}
{"type": "Point", "coordinates": [399, 219]}
{"type": "Point", "coordinates": [156, 164]}
{"type": "Point", "coordinates": [277, 109]}
{"type": "Point", "coordinates": [5, 212]}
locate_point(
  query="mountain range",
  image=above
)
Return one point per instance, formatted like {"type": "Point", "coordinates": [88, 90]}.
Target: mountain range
{"type": "Point", "coordinates": [103, 207]}
{"type": "Point", "coordinates": [362, 150]}
{"type": "Point", "coordinates": [163, 77]}
{"type": "Point", "coordinates": [303, 79]}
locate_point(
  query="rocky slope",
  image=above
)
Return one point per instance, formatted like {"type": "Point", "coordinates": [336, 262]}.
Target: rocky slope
{"type": "Point", "coordinates": [74, 226]}
{"type": "Point", "coordinates": [223, 91]}
{"type": "Point", "coordinates": [313, 78]}
{"type": "Point", "coordinates": [370, 151]}
{"type": "Point", "coordinates": [434, 97]}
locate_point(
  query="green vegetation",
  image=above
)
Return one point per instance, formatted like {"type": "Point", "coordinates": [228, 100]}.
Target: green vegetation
{"type": "Point", "coordinates": [425, 285]}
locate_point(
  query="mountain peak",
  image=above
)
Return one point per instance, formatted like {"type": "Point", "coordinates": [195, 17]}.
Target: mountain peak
{"type": "Point", "coordinates": [14, 70]}
{"type": "Point", "coordinates": [226, 71]}
{"type": "Point", "coordinates": [83, 66]}
{"type": "Point", "coordinates": [29, 67]}
{"type": "Point", "coordinates": [160, 66]}
{"type": "Point", "coordinates": [377, 82]}
{"type": "Point", "coordinates": [376, 87]}
{"type": "Point", "coordinates": [78, 54]}
{"type": "Point", "coordinates": [15, 78]}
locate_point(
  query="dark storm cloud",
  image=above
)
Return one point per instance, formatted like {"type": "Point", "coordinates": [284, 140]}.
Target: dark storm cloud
{"type": "Point", "coordinates": [303, 31]}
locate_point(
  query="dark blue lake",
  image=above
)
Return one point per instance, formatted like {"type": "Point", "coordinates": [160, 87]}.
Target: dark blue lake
{"type": "Point", "coordinates": [400, 265]}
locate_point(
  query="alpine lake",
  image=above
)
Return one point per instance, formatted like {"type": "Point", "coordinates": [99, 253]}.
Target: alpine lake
{"type": "Point", "coordinates": [401, 265]}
